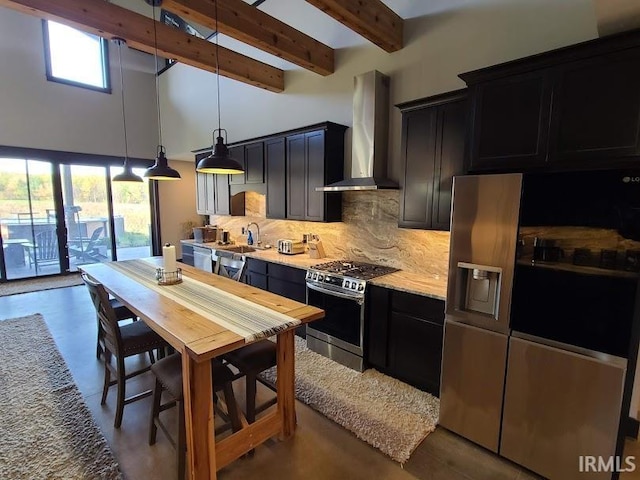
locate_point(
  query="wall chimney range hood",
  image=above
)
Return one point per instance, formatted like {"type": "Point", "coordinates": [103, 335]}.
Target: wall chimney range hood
{"type": "Point", "coordinates": [369, 137]}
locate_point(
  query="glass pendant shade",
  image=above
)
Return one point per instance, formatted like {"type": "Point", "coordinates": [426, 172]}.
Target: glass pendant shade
{"type": "Point", "coordinates": [219, 161]}
{"type": "Point", "coordinates": [161, 169]}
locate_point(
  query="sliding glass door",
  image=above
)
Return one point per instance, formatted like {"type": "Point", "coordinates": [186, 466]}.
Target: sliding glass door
{"type": "Point", "coordinates": [131, 216]}
{"type": "Point", "coordinates": [55, 217]}
{"type": "Point", "coordinates": [86, 214]}
{"type": "Point", "coordinates": [28, 222]}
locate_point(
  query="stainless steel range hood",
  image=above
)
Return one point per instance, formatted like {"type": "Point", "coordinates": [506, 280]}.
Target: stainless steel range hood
{"type": "Point", "coordinates": [370, 136]}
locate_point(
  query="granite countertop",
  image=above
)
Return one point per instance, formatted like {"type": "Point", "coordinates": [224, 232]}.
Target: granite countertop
{"type": "Point", "coordinates": [434, 286]}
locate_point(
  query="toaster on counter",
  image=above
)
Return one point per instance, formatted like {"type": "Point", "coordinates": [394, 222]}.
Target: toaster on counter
{"type": "Point", "coordinates": [290, 247]}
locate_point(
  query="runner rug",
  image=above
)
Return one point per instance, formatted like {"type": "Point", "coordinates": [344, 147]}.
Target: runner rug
{"type": "Point", "coordinates": [37, 284]}
{"type": "Point", "coordinates": [46, 430]}
{"type": "Point", "coordinates": [386, 413]}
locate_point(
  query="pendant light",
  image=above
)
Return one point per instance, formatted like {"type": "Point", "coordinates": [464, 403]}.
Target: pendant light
{"type": "Point", "coordinates": [161, 169]}
{"type": "Point", "coordinates": [127, 175]}
{"type": "Point", "coordinates": [219, 161]}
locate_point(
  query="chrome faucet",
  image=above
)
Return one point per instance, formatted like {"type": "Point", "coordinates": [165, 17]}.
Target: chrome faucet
{"type": "Point", "coordinates": [257, 237]}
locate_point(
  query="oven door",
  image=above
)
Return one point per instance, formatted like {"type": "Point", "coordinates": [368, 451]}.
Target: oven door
{"type": "Point", "coordinates": [339, 335]}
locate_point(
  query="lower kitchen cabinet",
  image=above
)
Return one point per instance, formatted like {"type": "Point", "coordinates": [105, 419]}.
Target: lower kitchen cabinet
{"type": "Point", "coordinates": [187, 254]}
{"type": "Point", "coordinates": [282, 280]}
{"type": "Point", "coordinates": [404, 336]}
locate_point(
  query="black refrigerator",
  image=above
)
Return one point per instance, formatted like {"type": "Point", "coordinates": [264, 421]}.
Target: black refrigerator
{"type": "Point", "coordinates": [541, 331]}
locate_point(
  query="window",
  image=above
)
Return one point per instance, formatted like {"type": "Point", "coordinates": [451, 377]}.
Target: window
{"type": "Point", "coordinates": [75, 57]}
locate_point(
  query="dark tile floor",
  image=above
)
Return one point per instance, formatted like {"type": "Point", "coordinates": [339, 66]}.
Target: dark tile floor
{"type": "Point", "coordinates": [320, 448]}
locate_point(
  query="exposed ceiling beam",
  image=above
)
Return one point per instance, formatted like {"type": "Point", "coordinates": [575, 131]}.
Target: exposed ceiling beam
{"type": "Point", "coordinates": [370, 18]}
{"type": "Point", "coordinates": [109, 20]}
{"type": "Point", "coordinates": [249, 25]}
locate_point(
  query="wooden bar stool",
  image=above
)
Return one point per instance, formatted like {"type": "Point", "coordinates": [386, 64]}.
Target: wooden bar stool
{"type": "Point", "coordinates": [168, 373]}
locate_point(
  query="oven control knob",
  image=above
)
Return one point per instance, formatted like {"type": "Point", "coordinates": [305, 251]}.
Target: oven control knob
{"type": "Point", "coordinates": [347, 284]}
{"type": "Point", "coordinates": [320, 278]}
{"type": "Point", "coordinates": [361, 287]}
{"type": "Point", "coordinates": [354, 285]}
{"type": "Point", "coordinates": [315, 276]}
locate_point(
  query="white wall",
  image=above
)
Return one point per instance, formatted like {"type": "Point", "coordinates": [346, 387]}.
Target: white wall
{"type": "Point", "coordinates": [462, 36]}
{"type": "Point", "coordinates": [37, 113]}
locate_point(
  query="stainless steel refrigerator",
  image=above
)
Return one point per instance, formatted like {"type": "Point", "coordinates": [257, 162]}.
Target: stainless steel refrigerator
{"type": "Point", "coordinates": [540, 314]}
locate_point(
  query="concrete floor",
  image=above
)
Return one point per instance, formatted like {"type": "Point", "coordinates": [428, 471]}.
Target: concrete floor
{"type": "Point", "coordinates": [320, 449]}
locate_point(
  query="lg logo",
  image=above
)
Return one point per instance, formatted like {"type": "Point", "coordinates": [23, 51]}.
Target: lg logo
{"type": "Point", "coordinates": [631, 179]}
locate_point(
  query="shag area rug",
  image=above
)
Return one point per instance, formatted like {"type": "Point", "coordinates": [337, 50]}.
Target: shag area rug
{"type": "Point", "coordinates": [36, 284]}
{"type": "Point", "coordinates": [46, 429]}
{"type": "Point", "coordinates": [386, 413]}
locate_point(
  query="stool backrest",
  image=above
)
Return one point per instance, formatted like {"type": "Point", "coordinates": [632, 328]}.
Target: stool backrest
{"type": "Point", "coordinates": [106, 315]}
{"type": "Point", "coordinates": [232, 268]}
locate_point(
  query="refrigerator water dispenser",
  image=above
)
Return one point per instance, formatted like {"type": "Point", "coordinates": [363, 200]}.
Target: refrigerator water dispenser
{"type": "Point", "coordinates": [479, 288]}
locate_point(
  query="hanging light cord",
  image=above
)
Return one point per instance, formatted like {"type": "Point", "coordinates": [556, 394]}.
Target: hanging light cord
{"type": "Point", "coordinates": [124, 116]}
{"type": "Point", "coordinates": [218, 69]}
{"type": "Point", "coordinates": [155, 43]}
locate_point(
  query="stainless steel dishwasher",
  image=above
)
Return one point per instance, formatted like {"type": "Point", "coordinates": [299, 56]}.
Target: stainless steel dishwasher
{"type": "Point", "coordinates": [202, 258]}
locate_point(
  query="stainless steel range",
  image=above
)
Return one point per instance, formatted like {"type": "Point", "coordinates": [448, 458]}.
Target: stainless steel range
{"type": "Point", "coordinates": [339, 288]}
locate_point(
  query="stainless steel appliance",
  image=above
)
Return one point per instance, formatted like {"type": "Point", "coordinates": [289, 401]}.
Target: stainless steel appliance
{"type": "Point", "coordinates": [290, 247]}
{"type": "Point", "coordinates": [539, 316]}
{"type": "Point", "coordinates": [202, 258]}
{"type": "Point", "coordinates": [339, 288]}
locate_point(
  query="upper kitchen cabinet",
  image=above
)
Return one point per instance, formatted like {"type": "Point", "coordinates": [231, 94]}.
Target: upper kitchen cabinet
{"type": "Point", "coordinates": [573, 108]}
{"type": "Point", "coordinates": [275, 163]}
{"type": "Point", "coordinates": [510, 121]}
{"type": "Point", "coordinates": [433, 148]}
{"type": "Point", "coordinates": [213, 196]}
{"type": "Point", "coordinates": [314, 158]}
{"type": "Point", "coordinates": [251, 157]}
{"type": "Point", "coordinates": [595, 117]}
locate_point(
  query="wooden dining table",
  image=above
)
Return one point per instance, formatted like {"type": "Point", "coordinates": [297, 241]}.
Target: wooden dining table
{"type": "Point", "coordinates": [200, 333]}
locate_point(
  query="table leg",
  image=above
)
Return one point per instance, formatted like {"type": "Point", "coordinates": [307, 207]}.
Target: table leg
{"type": "Point", "coordinates": [199, 421]}
{"type": "Point", "coordinates": [286, 382]}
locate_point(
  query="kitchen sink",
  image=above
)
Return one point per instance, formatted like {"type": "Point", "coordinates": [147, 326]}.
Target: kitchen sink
{"type": "Point", "coordinates": [237, 249]}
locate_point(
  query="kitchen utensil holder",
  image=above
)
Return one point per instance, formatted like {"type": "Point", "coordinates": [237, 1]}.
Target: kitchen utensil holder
{"type": "Point", "coordinates": [168, 278]}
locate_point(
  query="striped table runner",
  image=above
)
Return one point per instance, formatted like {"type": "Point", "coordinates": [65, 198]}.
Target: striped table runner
{"type": "Point", "coordinates": [247, 319]}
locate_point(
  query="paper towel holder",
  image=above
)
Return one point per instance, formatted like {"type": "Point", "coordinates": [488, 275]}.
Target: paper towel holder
{"type": "Point", "coordinates": [168, 278]}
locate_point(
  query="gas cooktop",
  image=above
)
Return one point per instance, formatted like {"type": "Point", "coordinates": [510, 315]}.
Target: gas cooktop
{"type": "Point", "coordinates": [357, 270]}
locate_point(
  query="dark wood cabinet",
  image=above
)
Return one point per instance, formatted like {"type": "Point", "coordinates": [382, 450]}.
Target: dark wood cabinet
{"type": "Point", "coordinates": [275, 166]}
{"type": "Point", "coordinates": [314, 159]}
{"type": "Point", "coordinates": [404, 336]}
{"type": "Point", "coordinates": [595, 116]}
{"type": "Point", "coordinates": [510, 121]}
{"type": "Point", "coordinates": [288, 167]}
{"type": "Point", "coordinates": [251, 157]}
{"type": "Point", "coordinates": [433, 149]}
{"type": "Point", "coordinates": [279, 279]}
{"type": "Point", "coordinates": [573, 108]}
{"type": "Point", "coordinates": [187, 254]}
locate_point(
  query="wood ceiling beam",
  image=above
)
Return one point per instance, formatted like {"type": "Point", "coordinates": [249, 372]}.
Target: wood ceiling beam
{"type": "Point", "coordinates": [249, 25]}
{"type": "Point", "coordinates": [370, 18]}
{"type": "Point", "coordinates": [108, 20]}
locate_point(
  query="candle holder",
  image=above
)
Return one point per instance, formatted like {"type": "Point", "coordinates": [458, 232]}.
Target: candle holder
{"type": "Point", "coordinates": [168, 278]}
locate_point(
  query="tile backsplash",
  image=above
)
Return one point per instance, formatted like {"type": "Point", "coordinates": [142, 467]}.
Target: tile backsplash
{"type": "Point", "coordinates": [369, 232]}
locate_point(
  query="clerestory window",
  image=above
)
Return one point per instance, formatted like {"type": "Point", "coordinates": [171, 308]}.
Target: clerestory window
{"type": "Point", "coordinates": [75, 57]}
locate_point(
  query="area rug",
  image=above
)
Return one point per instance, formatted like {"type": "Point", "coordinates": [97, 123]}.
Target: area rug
{"type": "Point", "coordinates": [46, 429]}
{"type": "Point", "coordinates": [36, 284]}
{"type": "Point", "coordinates": [384, 412]}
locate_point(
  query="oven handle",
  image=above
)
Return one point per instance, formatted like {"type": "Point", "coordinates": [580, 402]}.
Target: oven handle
{"type": "Point", "coordinates": [358, 299]}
